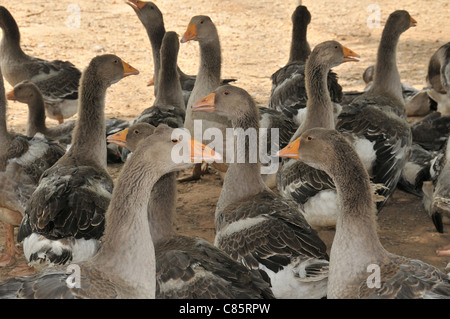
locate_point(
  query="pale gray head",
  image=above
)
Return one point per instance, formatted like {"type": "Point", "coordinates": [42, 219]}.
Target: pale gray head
{"type": "Point", "coordinates": [132, 136]}
{"type": "Point", "coordinates": [25, 92]}
{"type": "Point", "coordinates": [332, 53]}
{"type": "Point", "coordinates": [109, 68]}
{"type": "Point", "coordinates": [200, 28]}
{"type": "Point", "coordinates": [147, 12]}
{"type": "Point", "coordinates": [228, 100]}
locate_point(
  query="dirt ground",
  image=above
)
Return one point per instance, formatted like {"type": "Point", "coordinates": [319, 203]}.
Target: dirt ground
{"type": "Point", "coordinates": [255, 39]}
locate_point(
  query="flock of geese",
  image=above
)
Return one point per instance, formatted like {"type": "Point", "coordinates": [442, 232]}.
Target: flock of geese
{"type": "Point", "coordinates": [342, 154]}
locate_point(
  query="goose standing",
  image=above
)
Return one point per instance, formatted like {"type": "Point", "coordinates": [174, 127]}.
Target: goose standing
{"type": "Point", "coordinates": [188, 267]}
{"type": "Point", "coordinates": [124, 266]}
{"type": "Point", "coordinates": [375, 121]}
{"type": "Point", "coordinates": [65, 216]}
{"type": "Point", "coordinates": [356, 251]}
{"type": "Point", "coordinates": [288, 93]}
{"type": "Point", "coordinates": [312, 189]}
{"type": "Point", "coordinates": [168, 107]}
{"type": "Point", "coordinates": [22, 161]}
{"type": "Point", "coordinates": [58, 80]}
{"type": "Point", "coordinates": [152, 19]}
{"type": "Point", "coordinates": [256, 226]}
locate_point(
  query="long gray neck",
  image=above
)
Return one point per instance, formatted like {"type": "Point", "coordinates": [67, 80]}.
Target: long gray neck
{"type": "Point", "coordinates": [300, 49]}
{"type": "Point", "coordinates": [211, 61]}
{"type": "Point", "coordinates": [169, 89]}
{"type": "Point", "coordinates": [319, 108]}
{"type": "Point", "coordinates": [127, 248]}
{"type": "Point", "coordinates": [10, 44]}
{"type": "Point", "coordinates": [243, 177]}
{"type": "Point", "coordinates": [156, 35]}
{"type": "Point", "coordinates": [36, 117]}
{"type": "Point", "coordinates": [386, 76]}
{"type": "Point", "coordinates": [356, 244]}
{"type": "Point", "coordinates": [88, 139]}
{"type": "Point", "coordinates": [162, 207]}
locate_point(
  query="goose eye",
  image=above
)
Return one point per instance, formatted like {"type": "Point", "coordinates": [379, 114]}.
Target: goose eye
{"type": "Point", "coordinates": [226, 93]}
{"type": "Point", "coordinates": [136, 132]}
{"type": "Point", "coordinates": [336, 47]}
{"type": "Point", "coordinates": [116, 61]}
{"type": "Point", "coordinates": [308, 138]}
{"type": "Point", "coordinates": [175, 140]}
{"type": "Point", "coordinates": [201, 22]}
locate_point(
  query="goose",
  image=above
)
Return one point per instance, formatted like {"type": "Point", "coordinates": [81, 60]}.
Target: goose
{"type": "Point", "coordinates": [360, 267]}
{"type": "Point", "coordinates": [375, 122]}
{"type": "Point", "coordinates": [168, 107]}
{"type": "Point", "coordinates": [312, 189]}
{"type": "Point", "coordinates": [438, 78]}
{"type": "Point", "coordinates": [288, 93]}
{"type": "Point", "coordinates": [124, 266]}
{"type": "Point", "coordinates": [188, 267]}
{"type": "Point", "coordinates": [431, 132]}
{"type": "Point", "coordinates": [65, 216]}
{"type": "Point", "coordinates": [152, 19]}
{"type": "Point", "coordinates": [202, 29]}
{"type": "Point", "coordinates": [22, 161]}
{"type": "Point", "coordinates": [437, 190]}
{"type": "Point", "coordinates": [255, 225]}
{"type": "Point", "coordinates": [58, 80]}
{"type": "Point", "coordinates": [27, 92]}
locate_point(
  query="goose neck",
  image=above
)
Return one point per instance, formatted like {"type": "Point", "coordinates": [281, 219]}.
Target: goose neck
{"type": "Point", "coordinates": [36, 118]}
{"type": "Point", "coordinates": [300, 49]}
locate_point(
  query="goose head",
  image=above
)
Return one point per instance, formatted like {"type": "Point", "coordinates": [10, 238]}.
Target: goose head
{"type": "Point", "coordinates": [5, 17]}
{"type": "Point", "coordinates": [25, 92]}
{"type": "Point", "coordinates": [227, 100]}
{"type": "Point", "coordinates": [200, 28]}
{"type": "Point", "coordinates": [147, 12]}
{"type": "Point", "coordinates": [316, 147]}
{"type": "Point", "coordinates": [301, 16]}
{"type": "Point", "coordinates": [332, 53]}
{"type": "Point", "coordinates": [110, 68]}
{"type": "Point", "coordinates": [399, 21]}
{"type": "Point", "coordinates": [131, 136]}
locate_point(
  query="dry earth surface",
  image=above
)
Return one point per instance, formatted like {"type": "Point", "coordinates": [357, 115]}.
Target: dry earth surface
{"type": "Point", "coordinates": [255, 38]}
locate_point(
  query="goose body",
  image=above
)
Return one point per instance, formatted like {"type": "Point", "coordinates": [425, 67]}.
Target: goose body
{"type": "Point", "coordinates": [65, 216]}
{"type": "Point", "coordinates": [356, 250]}
{"type": "Point", "coordinates": [22, 161]}
{"type": "Point", "coordinates": [257, 227]}
{"type": "Point", "coordinates": [312, 189]}
{"type": "Point", "coordinates": [438, 78]}
{"type": "Point", "coordinates": [57, 80]}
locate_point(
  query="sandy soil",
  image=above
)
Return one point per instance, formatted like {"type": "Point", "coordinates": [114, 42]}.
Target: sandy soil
{"type": "Point", "coordinates": [255, 38]}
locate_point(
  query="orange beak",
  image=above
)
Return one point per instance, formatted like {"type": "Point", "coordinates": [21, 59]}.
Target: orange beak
{"type": "Point", "coordinates": [413, 22]}
{"type": "Point", "coordinates": [205, 104]}
{"type": "Point", "coordinates": [349, 55]}
{"type": "Point", "coordinates": [120, 138]}
{"type": "Point", "coordinates": [190, 34]}
{"type": "Point", "coordinates": [201, 152]}
{"type": "Point", "coordinates": [10, 96]}
{"type": "Point", "coordinates": [136, 5]}
{"type": "Point", "coordinates": [151, 82]}
{"type": "Point", "coordinates": [291, 150]}
{"type": "Point", "coordinates": [128, 70]}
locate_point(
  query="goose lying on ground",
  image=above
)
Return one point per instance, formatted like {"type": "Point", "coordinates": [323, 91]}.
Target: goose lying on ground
{"type": "Point", "coordinates": [65, 216]}
{"type": "Point", "coordinates": [357, 255]}
{"type": "Point", "coordinates": [58, 80]}
{"type": "Point", "coordinates": [188, 267]}
{"type": "Point", "coordinates": [124, 266]}
{"type": "Point", "coordinates": [254, 225]}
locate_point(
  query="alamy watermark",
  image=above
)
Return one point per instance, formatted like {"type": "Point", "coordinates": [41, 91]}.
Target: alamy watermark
{"type": "Point", "coordinates": [74, 19]}
{"type": "Point", "coordinates": [374, 279]}
{"type": "Point", "coordinates": [373, 20]}
{"type": "Point", "coordinates": [239, 145]}
{"type": "Point", "coordinates": [74, 278]}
